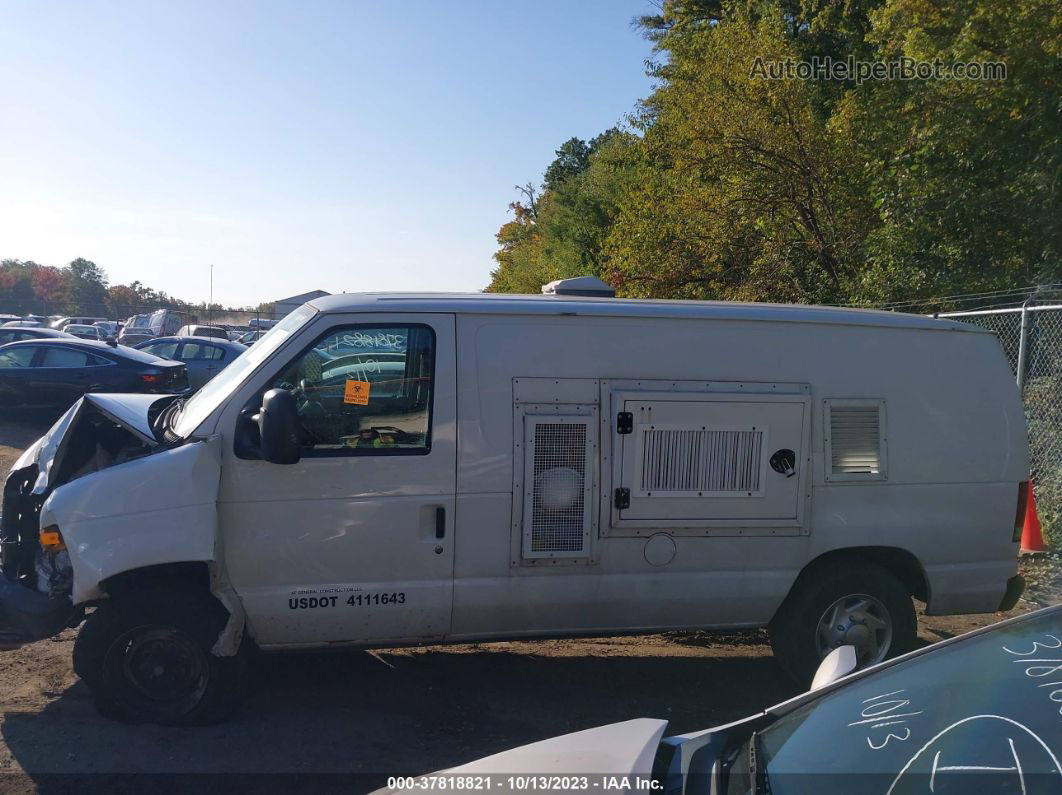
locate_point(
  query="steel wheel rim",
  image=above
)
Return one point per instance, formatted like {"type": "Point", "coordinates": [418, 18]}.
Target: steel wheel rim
{"type": "Point", "coordinates": [858, 620]}
{"type": "Point", "coordinates": [161, 669]}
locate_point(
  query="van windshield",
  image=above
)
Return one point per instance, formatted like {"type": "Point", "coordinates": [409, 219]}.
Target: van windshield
{"type": "Point", "coordinates": [229, 380]}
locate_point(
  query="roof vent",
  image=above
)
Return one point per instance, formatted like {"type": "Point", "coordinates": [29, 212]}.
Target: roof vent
{"type": "Point", "coordinates": [583, 285]}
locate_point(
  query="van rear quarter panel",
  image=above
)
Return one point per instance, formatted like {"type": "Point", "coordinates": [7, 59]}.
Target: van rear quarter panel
{"type": "Point", "coordinates": [956, 444]}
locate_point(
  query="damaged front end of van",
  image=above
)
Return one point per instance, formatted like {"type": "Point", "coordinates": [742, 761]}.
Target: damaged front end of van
{"type": "Point", "coordinates": [51, 491]}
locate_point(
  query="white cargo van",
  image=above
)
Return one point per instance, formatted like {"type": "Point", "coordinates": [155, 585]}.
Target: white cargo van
{"type": "Point", "coordinates": [398, 469]}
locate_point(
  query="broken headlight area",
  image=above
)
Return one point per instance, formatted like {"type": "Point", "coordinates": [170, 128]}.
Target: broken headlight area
{"type": "Point", "coordinates": [98, 432]}
{"type": "Point", "coordinates": [35, 596]}
{"type": "Point", "coordinates": [35, 589]}
{"type": "Point", "coordinates": [91, 442]}
{"type": "Point", "coordinates": [55, 575]}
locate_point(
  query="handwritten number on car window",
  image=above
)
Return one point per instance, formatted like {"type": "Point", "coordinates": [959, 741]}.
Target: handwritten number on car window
{"type": "Point", "coordinates": [1037, 645]}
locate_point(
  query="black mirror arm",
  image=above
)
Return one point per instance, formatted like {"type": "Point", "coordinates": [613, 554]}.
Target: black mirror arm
{"type": "Point", "coordinates": [247, 443]}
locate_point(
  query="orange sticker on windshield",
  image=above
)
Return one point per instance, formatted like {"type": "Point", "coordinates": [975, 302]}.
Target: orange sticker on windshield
{"type": "Point", "coordinates": [356, 392]}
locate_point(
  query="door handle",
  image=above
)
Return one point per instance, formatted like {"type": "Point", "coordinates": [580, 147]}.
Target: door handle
{"type": "Point", "coordinates": [440, 522]}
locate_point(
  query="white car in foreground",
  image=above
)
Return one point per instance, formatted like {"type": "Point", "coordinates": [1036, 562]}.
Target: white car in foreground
{"type": "Point", "coordinates": [978, 713]}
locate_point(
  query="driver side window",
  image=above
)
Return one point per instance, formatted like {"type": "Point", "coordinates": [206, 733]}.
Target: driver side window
{"type": "Point", "coordinates": [364, 390]}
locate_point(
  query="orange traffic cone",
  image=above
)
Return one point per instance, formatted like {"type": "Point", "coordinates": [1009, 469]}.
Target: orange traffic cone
{"type": "Point", "coordinates": [1032, 539]}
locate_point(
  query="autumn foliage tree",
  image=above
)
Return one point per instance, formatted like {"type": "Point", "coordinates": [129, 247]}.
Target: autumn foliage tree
{"type": "Point", "coordinates": [730, 185]}
{"type": "Point", "coordinates": [81, 287]}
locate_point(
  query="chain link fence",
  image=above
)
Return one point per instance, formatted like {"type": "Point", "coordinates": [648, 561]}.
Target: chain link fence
{"type": "Point", "coordinates": [1031, 336]}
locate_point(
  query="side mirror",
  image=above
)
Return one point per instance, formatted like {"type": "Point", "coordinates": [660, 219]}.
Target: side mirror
{"type": "Point", "coordinates": [278, 426]}
{"type": "Point", "coordinates": [839, 662]}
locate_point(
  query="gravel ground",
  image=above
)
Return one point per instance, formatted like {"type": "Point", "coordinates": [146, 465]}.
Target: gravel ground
{"type": "Point", "coordinates": [397, 711]}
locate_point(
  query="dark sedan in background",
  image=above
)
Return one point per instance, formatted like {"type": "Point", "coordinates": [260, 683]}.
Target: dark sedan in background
{"type": "Point", "coordinates": [203, 357]}
{"type": "Point", "coordinates": [53, 373]}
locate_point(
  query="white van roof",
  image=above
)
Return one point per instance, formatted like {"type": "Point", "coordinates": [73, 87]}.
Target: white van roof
{"type": "Point", "coordinates": [507, 304]}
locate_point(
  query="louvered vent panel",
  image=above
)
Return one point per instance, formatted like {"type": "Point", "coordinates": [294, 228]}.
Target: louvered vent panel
{"type": "Point", "coordinates": [559, 509]}
{"type": "Point", "coordinates": [701, 460]}
{"type": "Point", "coordinates": [855, 440]}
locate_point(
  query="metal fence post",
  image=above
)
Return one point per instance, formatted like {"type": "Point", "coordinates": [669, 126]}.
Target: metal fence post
{"type": "Point", "coordinates": [1031, 337]}
{"type": "Point", "coordinates": [1023, 339]}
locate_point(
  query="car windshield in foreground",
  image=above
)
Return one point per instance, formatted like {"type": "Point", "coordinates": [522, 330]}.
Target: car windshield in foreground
{"type": "Point", "coordinates": [228, 380]}
{"type": "Point", "coordinates": [990, 704]}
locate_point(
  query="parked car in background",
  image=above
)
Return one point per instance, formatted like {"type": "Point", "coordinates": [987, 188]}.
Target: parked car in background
{"type": "Point", "coordinates": [251, 337]}
{"type": "Point", "coordinates": [16, 333]}
{"type": "Point", "coordinates": [197, 330]}
{"type": "Point", "coordinates": [975, 713]}
{"type": "Point", "coordinates": [54, 373]}
{"type": "Point", "coordinates": [137, 329]}
{"type": "Point", "coordinates": [25, 323]}
{"type": "Point", "coordinates": [8, 318]}
{"type": "Point", "coordinates": [80, 320]}
{"type": "Point", "coordinates": [141, 328]}
{"type": "Point", "coordinates": [203, 357]}
{"type": "Point", "coordinates": [85, 332]}
{"type": "Point", "coordinates": [110, 328]}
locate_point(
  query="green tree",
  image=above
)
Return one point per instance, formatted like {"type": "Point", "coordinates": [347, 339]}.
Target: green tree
{"type": "Point", "coordinates": [582, 207]}
{"type": "Point", "coordinates": [738, 187]}
{"type": "Point", "coordinates": [519, 256]}
{"type": "Point", "coordinates": [572, 159]}
{"type": "Point", "coordinates": [747, 193]}
{"type": "Point", "coordinates": [562, 231]}
{"type": "Point", "coordinates": [16, 287]}
{"type": "Point", "coordinates": [87, 286]}
{"type": "Point", "coordinates": [964, 174]}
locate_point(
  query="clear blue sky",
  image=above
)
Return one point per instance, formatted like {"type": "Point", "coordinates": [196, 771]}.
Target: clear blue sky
{"type": "Point", "coordinates": [296, 145]}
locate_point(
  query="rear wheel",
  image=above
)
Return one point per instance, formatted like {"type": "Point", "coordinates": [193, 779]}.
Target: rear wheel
{"type": "Point", "coordinates": [852, 602]}
{"type": "Point", "coordinates": [146, 658]}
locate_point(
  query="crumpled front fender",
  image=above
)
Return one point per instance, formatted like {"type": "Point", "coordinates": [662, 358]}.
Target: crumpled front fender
{"type": "Point", "coordinates": [161, 508]}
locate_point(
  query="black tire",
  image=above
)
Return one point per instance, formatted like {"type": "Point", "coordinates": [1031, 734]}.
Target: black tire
{"type": "Point", "coordinates": [145, 657]}
{"type": "Point", "coordinates": [794, 629]}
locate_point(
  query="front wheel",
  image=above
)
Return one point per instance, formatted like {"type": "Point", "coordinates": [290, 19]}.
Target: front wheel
{"type": "Point", "coordinates": [145, 657]}
{"type": "Point", "coordinates": [851, 603]}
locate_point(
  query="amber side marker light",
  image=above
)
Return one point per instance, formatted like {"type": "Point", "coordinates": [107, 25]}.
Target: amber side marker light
{"type": "Point", "coordinates": [1023, 505]}
{"type": "Point", "coordinates": [52, 539]}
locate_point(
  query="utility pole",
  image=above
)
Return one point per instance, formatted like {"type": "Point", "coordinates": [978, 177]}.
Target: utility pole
{"type": "Point", "coordinates": [210, 303]}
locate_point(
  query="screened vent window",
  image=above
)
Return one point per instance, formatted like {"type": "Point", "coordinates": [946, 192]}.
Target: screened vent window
{"type": "Point", "coordinates": [855, 441]}
{"type": "Point", "coordinates": [557, 506]}
{"type": "Point", "coordinates": [702, 462]}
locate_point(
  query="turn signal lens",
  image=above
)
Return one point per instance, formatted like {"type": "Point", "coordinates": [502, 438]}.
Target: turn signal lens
{"type": "Point", "coordinates": [1023, 504]}
{"type": "Point", "coordinates": [52, 539]}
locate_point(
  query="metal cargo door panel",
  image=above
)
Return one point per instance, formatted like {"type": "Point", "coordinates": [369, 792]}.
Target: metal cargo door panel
{"type": "Point", "coordinates": [711, 460]}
